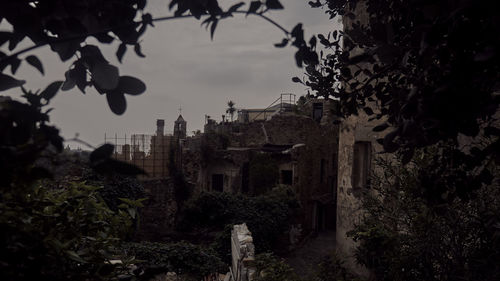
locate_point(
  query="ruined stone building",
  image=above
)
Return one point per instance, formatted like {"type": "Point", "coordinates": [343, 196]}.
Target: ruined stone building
{"type": "Point", "coordinates": [294, 146]}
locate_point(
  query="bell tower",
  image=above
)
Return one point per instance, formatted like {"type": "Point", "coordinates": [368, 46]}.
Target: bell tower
{"type": "Point", "coordinates": [180, 128]}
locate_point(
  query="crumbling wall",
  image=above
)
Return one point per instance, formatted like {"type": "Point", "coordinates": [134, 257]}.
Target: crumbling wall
{"type": "Point", "coordinates": [242, 253]}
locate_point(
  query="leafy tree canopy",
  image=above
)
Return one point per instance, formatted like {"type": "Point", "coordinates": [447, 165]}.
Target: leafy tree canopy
{"type": "Point", "coordinates": [428, 69]}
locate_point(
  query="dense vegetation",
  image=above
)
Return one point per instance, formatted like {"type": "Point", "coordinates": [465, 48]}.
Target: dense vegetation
{"type": "Point", "coordinates": [66, 230]}
{"type": "Point", "coordinates": [430, 67]}
{"type": "Point", "coordinates": [191, 261]}
{"type": "Point", "coordinates": [267, 216]}
{"type": "Point", "coordinates": [404, 237]}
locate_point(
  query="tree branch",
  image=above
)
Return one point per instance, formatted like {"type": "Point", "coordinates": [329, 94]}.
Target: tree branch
{"type": "Point", "coordinates": [166, 18]}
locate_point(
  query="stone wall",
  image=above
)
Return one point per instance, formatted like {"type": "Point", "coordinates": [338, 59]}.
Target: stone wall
{"type": "Point", "coordinates": [242, 253]}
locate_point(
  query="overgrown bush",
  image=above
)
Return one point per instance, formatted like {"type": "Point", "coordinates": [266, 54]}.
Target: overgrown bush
{"type": "Point", "coordinates": [263, 173]}
{"type": "Point", "coordinates": [267, 216]}
{"type": "Point", "coordinates": [404, 236]}
{"type": "Point", "coordinates": [331, 268]}
{"type": "Point", "coordinates": [191, 261]}
{"type": "Point", "coordinates": [61, 234]}
{"type": "Point", "coordinates": [272, 268]}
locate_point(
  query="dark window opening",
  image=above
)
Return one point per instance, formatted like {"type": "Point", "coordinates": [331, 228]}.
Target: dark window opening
{"type": "Point", "coordinates": [218, 182]}
{"type": "Point", "coordinates": [317, 111]}
{"type": "Point", "coordinates": [361, 164]}
{"type": "Point", "coordinates": [287, 177]}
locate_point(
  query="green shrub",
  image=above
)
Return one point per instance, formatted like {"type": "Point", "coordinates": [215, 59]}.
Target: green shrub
{"type": "Point", "coordinates": [272, 268]}
{"type": "Point", "coordinates": [61, 234]}
{"type": "Point", "coordinates": [263, 173]}
{"type": "Point", "coordinates": [267, 216]}
{"type": "Point", "coordinates": [192, 261]}
{"type": "Point", "coordinates": [404, 236]}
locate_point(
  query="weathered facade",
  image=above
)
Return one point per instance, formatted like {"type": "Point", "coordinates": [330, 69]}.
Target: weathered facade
{"type": "Point", "coordinates": [296, 147]}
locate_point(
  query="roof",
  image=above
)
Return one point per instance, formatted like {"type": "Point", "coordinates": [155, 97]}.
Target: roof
{"type": "Point", "coordinates": [269, 109]}
{"type": "Point", "coordinates": [180, 118]}
{"type": "Point", "coordinates": [275, 147]}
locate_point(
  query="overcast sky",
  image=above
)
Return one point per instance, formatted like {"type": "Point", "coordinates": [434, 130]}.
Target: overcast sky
{"type": "Point", "coordinates": [184, 68]}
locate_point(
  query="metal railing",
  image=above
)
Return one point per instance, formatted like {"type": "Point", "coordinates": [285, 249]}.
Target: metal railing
{"type": "Point", "coordinates": [290, 101]}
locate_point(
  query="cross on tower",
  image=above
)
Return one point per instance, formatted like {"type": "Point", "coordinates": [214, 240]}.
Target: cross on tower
{"type": "Point", "coordinates": [180, 110]}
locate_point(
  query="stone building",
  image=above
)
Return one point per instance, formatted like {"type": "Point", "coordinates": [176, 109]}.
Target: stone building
{"type": "Point", "coordinates": [294, 147]}
{"type": "Point", "coordinates": [357, 152]}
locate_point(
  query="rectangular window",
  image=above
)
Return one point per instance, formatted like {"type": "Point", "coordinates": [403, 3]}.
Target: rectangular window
{"type": "Point", "coordinates": [218, 182]}
{"type": "Point", "coordinates": [361, 164]}
{"type": "Point", "coordinates": [317, 111]}
{"type": "Point", "coordinates": [287, 177]}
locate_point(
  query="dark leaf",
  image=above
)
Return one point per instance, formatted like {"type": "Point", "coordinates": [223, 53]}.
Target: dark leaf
{"type": "Point", "coordinates": [380, 128]}
{"type": "Point", "coordinates": [298, 32]}
{"type": "Point", "coordinates": [104, 37]}
{"type": "Point", "coordinates": [131, 85]}
{"type": "Point", "coordinates": [316, 4]}
{"type": "Point", "coordinates": [274, 5]}
{"type": "Point", "coordinates": [137, 49]}
{"type": "Point", "coordinates": [283, 43]}
{"type": "Point", "coordinates": [212, 29]}
{"type": "Point", "coordinates": [334, 34]}
{"type": "Point", "coordinates": [368, 111]}
{"type": "Point", "coordinates": [235, 7]}
{"type": "Point", "coordinates": [297, 80]}
{"type": "Point", "coordinates": [14, 40]}
{"type": "Point", "coordinates": [14, 65]}
{"type": "Point", "coordinates": [51, 90]}
{"type": "Point", "coordinates": [254, 6]}
{"type": "Point", "coordinates": [121, 51]}
{"type": "Point", "coordinates": [7, 82]}
{"type": "Point", "coordinates": [106, 76]}
{"type": "Point", "coordinates": [35, 62]}
{"type": "Point", "coordinates": [116, 102]}
{"type": "Point", "coordinates": [92, 55]}
{"type": "Point", "coordinates": [67, 49]}
{"type": "Point", "coordinates": [141, 4]}
{"type": "Point", "coordinates": [101, 153]}
{"type": "Point", "coordinates": [4, 37]}
{"type": "Point", "coordinates": [147, 19]}
{"type": "Point", "coordinates": [298, 58]}
{"type": "Point", "coordinates": [69, 83]}
{"type": "Point", "coordinates": [79, 73]}
{"type": "Point", "coordinates": [312, 42]}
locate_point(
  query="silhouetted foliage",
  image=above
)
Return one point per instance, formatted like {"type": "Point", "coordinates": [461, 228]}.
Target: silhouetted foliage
{"type": "Point", "coordinates": [404, 237]}
{"type": "Point", "coordinates": [264, 173]}
{"type": "Point", "coordinates": [429, 69]}
{"type": "Point", "coordinates": [191, 261]}
{"type": "Point", "coordinates": [267, 216]}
